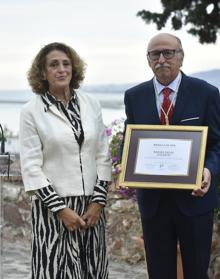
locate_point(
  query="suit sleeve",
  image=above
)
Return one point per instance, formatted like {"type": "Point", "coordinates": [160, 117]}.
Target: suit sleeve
{"type": "Point", "coordinates": [128, 109]}
{"type": "Point", "coordinates": [212, 160]}
{"type": "Point", "coordinates": [129, 118]}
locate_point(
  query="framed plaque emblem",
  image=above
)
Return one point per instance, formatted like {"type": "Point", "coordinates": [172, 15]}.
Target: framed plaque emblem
{"type": "Point", "coordinates": [159, 156]}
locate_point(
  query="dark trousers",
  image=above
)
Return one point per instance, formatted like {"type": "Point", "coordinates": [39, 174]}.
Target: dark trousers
{"type": "Point", "coordinates": [165, 229]}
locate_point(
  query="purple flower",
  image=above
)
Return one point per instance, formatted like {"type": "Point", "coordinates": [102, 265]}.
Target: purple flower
{"type": "Point", "coordinates": [115, 134]}
{"type": "Point", "coordinates": [114, 159]}
{"type": "Point", "coordinates": [108, 131]}
{"type": "Point", "coordinates": [128, 193]}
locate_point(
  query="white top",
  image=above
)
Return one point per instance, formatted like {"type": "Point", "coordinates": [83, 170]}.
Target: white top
{"type": "Point", "coordinates": [49, 150]}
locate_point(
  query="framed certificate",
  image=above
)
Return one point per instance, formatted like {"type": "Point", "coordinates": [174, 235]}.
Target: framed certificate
{"type": "Point", "coordinates": [159, 156]}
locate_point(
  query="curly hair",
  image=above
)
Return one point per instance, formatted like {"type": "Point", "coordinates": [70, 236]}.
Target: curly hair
{"type": "Point", "coordinates": [35, 73]}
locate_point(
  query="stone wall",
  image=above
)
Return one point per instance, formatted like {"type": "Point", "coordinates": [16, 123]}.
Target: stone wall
{"type": "Point", "coordinates": [123, 226]}
{"type": "Point", "coordinates": [124, 229]}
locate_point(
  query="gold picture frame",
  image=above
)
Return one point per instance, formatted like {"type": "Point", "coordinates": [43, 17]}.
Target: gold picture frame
{"type": "Point", "coordinates": [163, 157]}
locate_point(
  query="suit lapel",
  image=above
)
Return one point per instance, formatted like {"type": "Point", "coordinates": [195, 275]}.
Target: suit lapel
{"type": "Point", "coordinates": [183, 96]}
{"type": "Point", "coordinates": [154, 105]}
{"type": "Point", "coordinates": [82, 104]}
{"type": "Point", "coordinates": [52, 108]}
{"type": "Point", "coordinates": [150, 104]}
{"type": "Point", "coordinates": [55, 111]}
{"type": "Point", "coordinates": [82, 107]}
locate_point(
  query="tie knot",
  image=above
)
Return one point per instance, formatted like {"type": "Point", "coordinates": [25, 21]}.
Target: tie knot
{"type": "Point", "coordinates": [166, 92]}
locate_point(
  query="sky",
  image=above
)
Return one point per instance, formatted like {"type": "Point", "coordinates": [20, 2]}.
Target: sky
{"type": "Point", "coordinates": [107, 34]}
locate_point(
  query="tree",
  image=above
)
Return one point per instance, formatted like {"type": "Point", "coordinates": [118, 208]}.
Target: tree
{"type": "Point", "coordinates": [202, 15]}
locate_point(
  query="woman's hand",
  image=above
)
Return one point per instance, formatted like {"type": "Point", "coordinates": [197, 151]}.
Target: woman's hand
{"type": "Point", "coordinates": [92, 214]}
{"type": "Point", "coordinates": [71, 219]}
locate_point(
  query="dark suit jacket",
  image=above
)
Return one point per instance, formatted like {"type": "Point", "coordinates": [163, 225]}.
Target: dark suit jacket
{"type": "Point", "coordinates": [196, 99]}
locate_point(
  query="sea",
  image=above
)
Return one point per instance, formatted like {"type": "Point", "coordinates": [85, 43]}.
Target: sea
{"type": "Point", "coordinates": [110, 97]}
{"type": "Point", "coordinates": [11, 102]}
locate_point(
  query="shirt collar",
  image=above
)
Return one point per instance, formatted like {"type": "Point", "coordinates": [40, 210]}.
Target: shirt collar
{"type": "Point", "coordinates": [53, 99]}
{"type": "Point", "coordinates": [173, 85]}
{"type": "Point", "coordinates": [49, 99]}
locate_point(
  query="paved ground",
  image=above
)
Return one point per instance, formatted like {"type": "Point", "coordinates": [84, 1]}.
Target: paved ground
{"type": "Point", "coordinates": [15, 264]}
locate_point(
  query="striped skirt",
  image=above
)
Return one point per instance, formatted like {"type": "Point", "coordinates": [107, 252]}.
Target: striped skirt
{"type": "Point", "coordinates": [60, 254]}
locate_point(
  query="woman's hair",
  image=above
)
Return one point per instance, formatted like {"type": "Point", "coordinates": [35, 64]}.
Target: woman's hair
{"type": "Point", "coordinates": [35, 74]}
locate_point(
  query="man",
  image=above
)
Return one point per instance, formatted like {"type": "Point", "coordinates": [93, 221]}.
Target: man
{"type": "Point", "coordinates": [171, 216]}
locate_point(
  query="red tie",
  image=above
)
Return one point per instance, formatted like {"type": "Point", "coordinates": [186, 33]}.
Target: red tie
{"type": "Point", "coordinates": [166, 108]}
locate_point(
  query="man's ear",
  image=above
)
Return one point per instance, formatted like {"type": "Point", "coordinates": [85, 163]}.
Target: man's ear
{"type": "Point", "coordinates": [148, 61]}
{"type": "Point", "coordinates": [181, 64]}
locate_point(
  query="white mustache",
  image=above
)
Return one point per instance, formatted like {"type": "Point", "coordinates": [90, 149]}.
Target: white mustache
{"type": "Point", "coordinates": [165, 65]}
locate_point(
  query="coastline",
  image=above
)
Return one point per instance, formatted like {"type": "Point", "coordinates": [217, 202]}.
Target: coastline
{"type": "Point", "coordinates": [111, 104]}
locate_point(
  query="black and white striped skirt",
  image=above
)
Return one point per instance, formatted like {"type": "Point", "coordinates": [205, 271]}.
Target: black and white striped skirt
{"type": "Point", "coordinates": [60, 254]}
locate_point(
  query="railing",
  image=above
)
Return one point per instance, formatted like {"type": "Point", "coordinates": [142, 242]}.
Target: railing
{"type": "Point", "coordinates": [5, 163]}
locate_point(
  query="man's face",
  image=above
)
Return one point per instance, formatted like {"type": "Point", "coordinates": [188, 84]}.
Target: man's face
{"type": "Point", "coordinates": [165, 65]}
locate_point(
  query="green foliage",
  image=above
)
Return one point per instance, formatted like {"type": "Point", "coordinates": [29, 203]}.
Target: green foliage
{"type": "Point", "coordinates": [115, 134]}
{"type": "Point", "coordinates": [194, 13]}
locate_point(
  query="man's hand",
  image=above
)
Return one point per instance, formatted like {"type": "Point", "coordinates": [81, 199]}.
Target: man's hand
{"type": "Point", "coordinates": [92, 214]}
{"type": "Point", "coordinates": [206, 181]}
{"type": "Point", "coordinates": [71, 219]}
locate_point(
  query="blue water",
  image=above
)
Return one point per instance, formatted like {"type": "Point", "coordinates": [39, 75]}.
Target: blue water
{"type": "Point", "coordinates": [11, 103]}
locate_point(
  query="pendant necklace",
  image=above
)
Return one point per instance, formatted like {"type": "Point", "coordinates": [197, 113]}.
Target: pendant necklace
{"type": "Point", "coordinates": [172, 101]}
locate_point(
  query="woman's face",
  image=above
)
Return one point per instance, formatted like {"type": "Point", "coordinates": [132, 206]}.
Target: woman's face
{"type": "Point", "coordinates": [58, 70]}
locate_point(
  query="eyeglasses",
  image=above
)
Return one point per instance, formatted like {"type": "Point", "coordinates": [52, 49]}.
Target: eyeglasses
{"type": "Point", "coordinates": [167, 53]}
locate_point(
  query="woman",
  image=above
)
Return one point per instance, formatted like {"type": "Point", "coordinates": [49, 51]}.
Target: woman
{"type": "Point", "coordinates": [65, 168]}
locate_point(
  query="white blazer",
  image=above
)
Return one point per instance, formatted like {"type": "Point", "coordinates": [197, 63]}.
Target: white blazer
{"type": "Point", "coordinates": [49, 150]}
